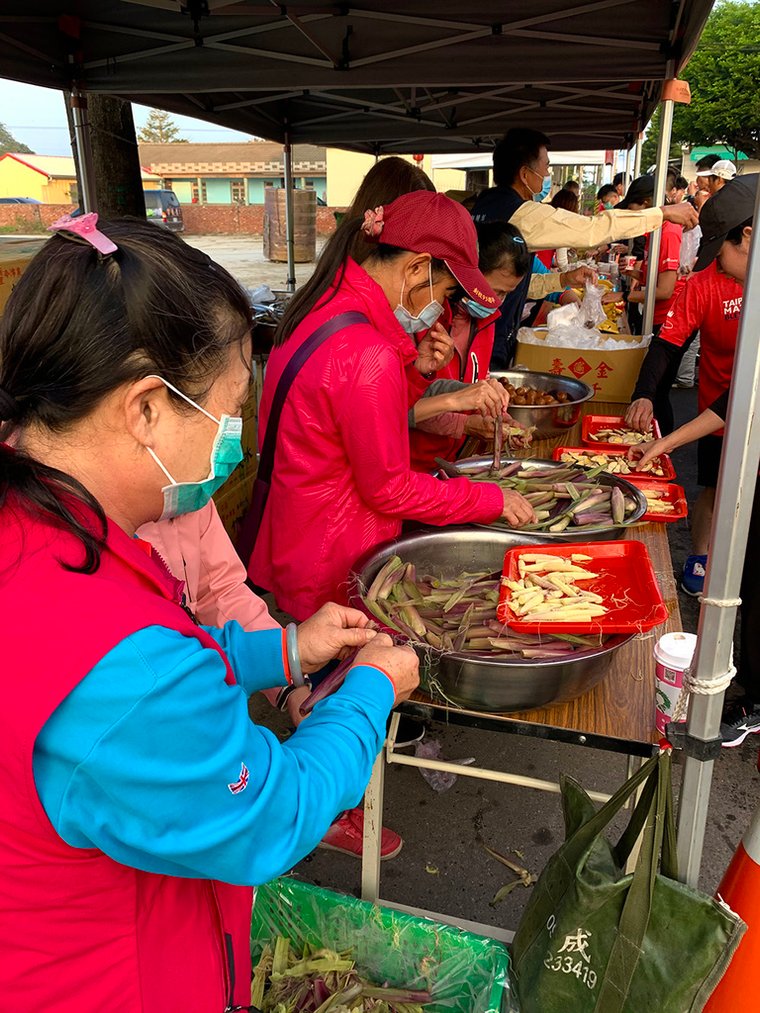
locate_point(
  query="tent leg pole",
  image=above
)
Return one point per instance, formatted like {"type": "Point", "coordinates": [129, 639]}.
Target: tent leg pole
{"type": "Point", "coordinates": [637, 159]}
{"type": "Point", "coordinates": [287, 158]}
{"type": "Point", "coordinates": [733, 508]}
{"type": "Point", "coordinates": [85, 170]}
{"type": "Point", "coordinates": [627, 169]}
{"type": "Point", "coordinates": [663, 149]}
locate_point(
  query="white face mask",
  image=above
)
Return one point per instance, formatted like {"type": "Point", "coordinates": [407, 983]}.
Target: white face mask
{"type": "Point", "coordinates": [226, 454]}
{"type": "Point", "coordinates": [427, 315]}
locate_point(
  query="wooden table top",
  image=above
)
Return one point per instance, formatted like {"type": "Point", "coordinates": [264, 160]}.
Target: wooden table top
{"type": "Point", "coordinates": [620, 709]}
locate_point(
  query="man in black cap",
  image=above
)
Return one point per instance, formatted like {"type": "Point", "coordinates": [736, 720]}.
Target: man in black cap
{"type": "Point", "coordinates": [726, 221]}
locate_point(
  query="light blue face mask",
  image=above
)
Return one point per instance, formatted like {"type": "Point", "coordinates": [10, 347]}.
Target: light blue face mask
{"type": "Point", "coordinates": [546, 185]}
{"type": "Point", "coordinates": [427, 315]}
{"type": "Point", "coordinates": [545, 189]}
{"type": "Point", "coordinates": [226, 455]}
{"type": "Point", "coordinates": [475, 309]}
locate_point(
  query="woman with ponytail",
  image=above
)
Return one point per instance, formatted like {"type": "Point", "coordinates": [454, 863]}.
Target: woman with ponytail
{"type": "Point", "coordinates": [341, 479]}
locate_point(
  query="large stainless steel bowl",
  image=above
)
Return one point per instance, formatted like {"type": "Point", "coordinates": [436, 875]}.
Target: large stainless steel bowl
{"type": "Point", "coordinates": [570, 534]}
{"type": "Point", "coordinates": [549, 420]}
{"type": "Point", "coordinates": [475, 681]}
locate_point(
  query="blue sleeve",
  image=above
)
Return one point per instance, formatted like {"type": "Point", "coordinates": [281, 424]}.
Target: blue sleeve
{"type": "Point", "coordinates": [255, 656]}
{"type": "Point", "coordinates": [153, 759]}
{"type": "Point", "coordinates": [539, 267]}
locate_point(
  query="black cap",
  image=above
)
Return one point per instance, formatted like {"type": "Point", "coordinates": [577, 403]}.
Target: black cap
{"type": "Point", "coordinates": [732, 205]}
{"type": "Point", "coordinates": [637, 192]}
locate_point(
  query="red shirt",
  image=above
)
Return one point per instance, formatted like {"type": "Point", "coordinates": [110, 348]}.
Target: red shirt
{"type": "Point", "coordinates": [670, 260]}
{"type": "Point", "coordinates": [710, 302]}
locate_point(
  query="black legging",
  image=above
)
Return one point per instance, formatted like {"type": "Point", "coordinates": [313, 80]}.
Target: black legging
{"type": "Point", "coordinates": [663, 409]}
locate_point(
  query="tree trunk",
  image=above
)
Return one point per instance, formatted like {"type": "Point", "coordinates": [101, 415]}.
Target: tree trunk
{"type": "Point", "coordinates": [115, 157]}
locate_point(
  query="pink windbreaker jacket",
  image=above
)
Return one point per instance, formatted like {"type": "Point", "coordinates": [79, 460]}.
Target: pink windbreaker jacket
{"type": "Point", "coordinates": [342, 482]}
{"type": "Point", "coordinates": [197, 550]}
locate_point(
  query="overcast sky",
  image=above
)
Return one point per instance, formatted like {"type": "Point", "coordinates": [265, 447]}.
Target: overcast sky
{"type": "Point", "coordinates": [37, 118]}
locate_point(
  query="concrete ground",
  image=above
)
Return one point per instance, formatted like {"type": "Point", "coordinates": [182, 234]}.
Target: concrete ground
{"type": "Point", "coordinates": [443, 866]}
{"type": "Point", "coordinates": [243, 256]}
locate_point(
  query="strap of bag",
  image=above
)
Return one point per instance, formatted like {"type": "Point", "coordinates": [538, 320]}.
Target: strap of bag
{"type": "Point", "coordinates": [630, 835]}
{"type": "Point", "coordinates": [252, 521]}
{"type": "Point", "coordinates": [634, 918]}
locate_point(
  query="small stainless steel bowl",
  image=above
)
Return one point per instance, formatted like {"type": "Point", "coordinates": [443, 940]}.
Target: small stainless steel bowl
{"type": "Point", "coordinates": [549, 420]}
{"type": "Point", "coordinates": [494, 684]}
{"type": "Point", "coordinates": [570, 534]}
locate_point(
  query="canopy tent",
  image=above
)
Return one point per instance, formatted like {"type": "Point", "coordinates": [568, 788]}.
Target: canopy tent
{"type": "Point", "coordinates": [370, 76]}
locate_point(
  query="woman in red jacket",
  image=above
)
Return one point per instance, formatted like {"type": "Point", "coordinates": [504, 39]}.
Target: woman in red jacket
{"type": "Point", "coordinates": [341, 481]}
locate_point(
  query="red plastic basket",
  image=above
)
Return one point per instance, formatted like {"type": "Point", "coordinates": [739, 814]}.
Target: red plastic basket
{"type": "Point", "coordinates": [670, 493]}
{"type": "Point", "coordinates": [593, 423]}
{"type": "Point", "coordinates": [626, 581]}
{"type": "Point", "coordinates": [665, 461]}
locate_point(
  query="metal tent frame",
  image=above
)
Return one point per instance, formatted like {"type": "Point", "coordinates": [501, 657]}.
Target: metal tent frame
{"type": "Point", "coordinates": [375, 77]}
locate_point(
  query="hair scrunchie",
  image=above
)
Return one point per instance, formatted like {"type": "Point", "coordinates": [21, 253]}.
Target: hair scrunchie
{"type": "Point", "coordinates": [373, 223]}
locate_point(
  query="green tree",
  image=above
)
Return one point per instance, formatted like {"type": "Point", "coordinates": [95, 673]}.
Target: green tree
{"type": "Point", "coordinates": [649, 146]}
{"type": "Point", "coordinates": [160, 128]}
{"type": "Point", "coordinates": [723, 74]}
{"type": "Point", "coordinates": [9, 143]}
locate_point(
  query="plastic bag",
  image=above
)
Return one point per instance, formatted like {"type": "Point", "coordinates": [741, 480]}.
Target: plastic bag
{"type": "Point", "coordinates": [439, 780]}
{"type": "Point", "coordinates": [466, 973]}
{"type": "Point", "coordinates": [591, 309]}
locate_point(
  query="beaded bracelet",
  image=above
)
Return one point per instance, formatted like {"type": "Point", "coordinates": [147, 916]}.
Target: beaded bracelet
{"type": "Point", "coordinates": [294, 658]}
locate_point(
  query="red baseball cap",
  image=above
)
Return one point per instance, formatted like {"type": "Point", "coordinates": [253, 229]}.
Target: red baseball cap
{"type": "Point", "coordinates": [426, 222]}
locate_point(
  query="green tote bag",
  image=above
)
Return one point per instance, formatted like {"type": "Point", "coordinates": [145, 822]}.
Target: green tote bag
{"type": "Point", "coordinates": [594, 939]}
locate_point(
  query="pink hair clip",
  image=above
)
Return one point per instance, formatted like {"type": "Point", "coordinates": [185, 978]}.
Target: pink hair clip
{"type": "Point", "coordinates": [373, 223]}
{"type": "Point", "coordinates": [85, 227]}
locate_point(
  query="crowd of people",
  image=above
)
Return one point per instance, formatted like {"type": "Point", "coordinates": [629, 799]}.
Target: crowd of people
{"type": "Point", "coordinates": [140, 803]}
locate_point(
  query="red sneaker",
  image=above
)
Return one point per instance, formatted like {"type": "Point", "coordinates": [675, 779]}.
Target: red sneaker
{"type": "Point", "coordinates": [345, 835]}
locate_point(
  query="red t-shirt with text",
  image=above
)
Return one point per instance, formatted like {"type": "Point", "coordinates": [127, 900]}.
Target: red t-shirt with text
{"type": "Point", "coordinates": [670, 260]}
{"type": "Point", "coordinates": [711, 303]}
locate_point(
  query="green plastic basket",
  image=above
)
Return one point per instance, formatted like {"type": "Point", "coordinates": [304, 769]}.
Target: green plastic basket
{"type": "Point", "coordinates": [466, 973]}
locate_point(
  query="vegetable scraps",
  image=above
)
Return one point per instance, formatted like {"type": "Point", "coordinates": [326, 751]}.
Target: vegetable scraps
{"type": "Point", "coordinates": [321, 980]}
{"type": "Point", "coordinates": [458, 614]}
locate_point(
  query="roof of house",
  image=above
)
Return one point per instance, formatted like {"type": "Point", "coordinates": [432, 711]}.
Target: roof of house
{"type": "Point", "coordinates": [716, 149]}
{"type": "Point", "coordinates": [57, 166]}
{"type": "Point", "coordinates": [245, 158]}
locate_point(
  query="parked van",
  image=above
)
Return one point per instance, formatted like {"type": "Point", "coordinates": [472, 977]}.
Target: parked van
{"type": "Point", "coordinates": [163, 208]}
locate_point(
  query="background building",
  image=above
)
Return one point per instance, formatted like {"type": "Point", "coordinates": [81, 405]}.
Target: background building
{"type": "Point", "coordinates": [51, 179]}
{"type": "Point", "coordinates": [232, 173]}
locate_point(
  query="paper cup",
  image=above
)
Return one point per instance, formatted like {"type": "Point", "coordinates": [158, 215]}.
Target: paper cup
{"type": "Point", "coordinates": [673, 654]}
{"type": "Point", "coordinates": [627, 263]}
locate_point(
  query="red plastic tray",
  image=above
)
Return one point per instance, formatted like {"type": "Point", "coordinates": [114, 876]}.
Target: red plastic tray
{"type": "Point", "coordinates": [626, 581]}
{"type": "Point", "coordinates": [593, 423]}
{"type": "Point", "coordinates": [670, 493]}
{"type": "Point", "coordinates": [667, 464]}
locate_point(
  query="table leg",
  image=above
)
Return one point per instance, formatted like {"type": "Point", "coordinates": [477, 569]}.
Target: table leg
{"type": "Point", "coordinates": [373, 822]}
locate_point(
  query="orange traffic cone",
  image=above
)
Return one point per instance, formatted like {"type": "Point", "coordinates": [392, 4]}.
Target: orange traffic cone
{"type": "Point", "coordinates": [740, 889]}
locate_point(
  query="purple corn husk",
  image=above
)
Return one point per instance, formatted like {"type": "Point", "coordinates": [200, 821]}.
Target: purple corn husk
{"type": "Point", "coordinates": [584, 518]}
{"type": "Point", "coordinates": [329, 685]}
